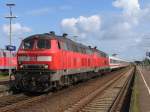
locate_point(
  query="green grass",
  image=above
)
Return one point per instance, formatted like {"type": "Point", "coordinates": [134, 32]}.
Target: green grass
{"type": "Point", "coordinates": [5, 74]}
{"type": "Point", "coordinates": [135, 96]}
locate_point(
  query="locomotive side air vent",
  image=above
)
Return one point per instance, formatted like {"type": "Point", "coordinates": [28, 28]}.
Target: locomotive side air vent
{"type": "Point", "coordinates": [65, 34]}
{"type": "Point", "coordinates": [52, 33]}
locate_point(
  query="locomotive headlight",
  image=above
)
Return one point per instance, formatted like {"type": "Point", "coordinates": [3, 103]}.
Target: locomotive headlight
{"type": "Point", "coordinates": [12, 77]}
{"type": "Point", "coordinates": [21, 66]}
{"type": "Point", "coordinates": [44, 58]}
{"type": "Point", "coordinates": [46, 66]}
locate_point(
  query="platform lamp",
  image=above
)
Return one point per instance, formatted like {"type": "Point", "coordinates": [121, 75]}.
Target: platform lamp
{"type": "Point", "coordinates": [10, 17]}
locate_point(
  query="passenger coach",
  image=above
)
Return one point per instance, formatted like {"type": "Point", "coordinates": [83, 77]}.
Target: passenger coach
{"type": "Point", "coordinates": [116, 62]}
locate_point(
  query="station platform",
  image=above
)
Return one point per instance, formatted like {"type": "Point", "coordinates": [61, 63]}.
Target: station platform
{"type": "Point", "coordinates": [143, 84]}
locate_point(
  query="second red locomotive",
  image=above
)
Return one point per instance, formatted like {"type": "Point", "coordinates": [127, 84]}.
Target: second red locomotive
{"type": "Point", "coordinates": [7, 62]}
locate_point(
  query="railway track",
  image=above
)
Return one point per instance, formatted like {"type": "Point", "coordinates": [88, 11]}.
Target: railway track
{"type": "Point", "coordinates": [4, 82]}
{"type": "Point", "coordinates": [105, 99]}
{"type": "Point", "coordinates": [18, 103]}
{"type": "Point", "coordinates": [4, 88]}
{"type": "Point", "coordinates": [8, 103]}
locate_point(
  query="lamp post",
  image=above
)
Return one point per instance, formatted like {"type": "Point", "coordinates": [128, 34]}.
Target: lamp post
{"type": "Point", "coordinates": [10, 17]}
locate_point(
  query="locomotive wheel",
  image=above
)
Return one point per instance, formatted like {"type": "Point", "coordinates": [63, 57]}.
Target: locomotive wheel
{"type": "Point", "coordinates": [64, 81]}
{"type": "Point", "coordinates": [13, 87]}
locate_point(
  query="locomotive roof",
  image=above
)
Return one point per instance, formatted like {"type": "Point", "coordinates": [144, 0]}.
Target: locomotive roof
{"type": "Point", "coordinates": [47, 35]}
{"type": "Point", "coordinates": [50, 36]}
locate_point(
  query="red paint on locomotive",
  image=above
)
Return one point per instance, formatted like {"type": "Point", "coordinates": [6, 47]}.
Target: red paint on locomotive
{"type": "Point", "coordinates": [59, 58]}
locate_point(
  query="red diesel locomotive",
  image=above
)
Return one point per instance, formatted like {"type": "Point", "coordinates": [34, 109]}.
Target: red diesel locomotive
{"type": "Point", "coordinates": [46, 61]}
{"type": "Point", "coordinates": [6, 62]}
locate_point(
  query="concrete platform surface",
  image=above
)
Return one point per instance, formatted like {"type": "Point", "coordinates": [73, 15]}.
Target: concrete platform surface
{"type": "Point", "coordinates": [144, 89]}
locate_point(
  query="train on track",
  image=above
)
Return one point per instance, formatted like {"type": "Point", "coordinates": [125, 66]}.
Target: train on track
{"type": "Point", "coordinates": [116, 62]}
{"type": "Point", "coordinates": [46, 61]}
{"type": "Point", "coordinates": [7, 61]}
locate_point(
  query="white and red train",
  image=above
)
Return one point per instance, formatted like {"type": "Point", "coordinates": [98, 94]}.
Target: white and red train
{"type": "Point", "coordinates": [7, 62]}
{"type": "Point", "coordinates": [45, 61]}
{"type": "Point", "coordinates": [116, 62]}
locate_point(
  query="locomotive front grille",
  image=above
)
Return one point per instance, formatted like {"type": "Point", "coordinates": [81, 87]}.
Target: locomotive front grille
{"type": "Point", "coordinates": [40, 66]}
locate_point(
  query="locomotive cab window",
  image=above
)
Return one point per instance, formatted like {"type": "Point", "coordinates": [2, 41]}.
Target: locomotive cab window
{"type": "Point", "coordinates": [28, 44]}
{"type": "Point", "coordinates": [43, 44]}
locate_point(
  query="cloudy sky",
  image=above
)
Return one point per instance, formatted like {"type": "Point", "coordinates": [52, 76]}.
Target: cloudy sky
{"type": "Point", "coordinates": [114, 26]}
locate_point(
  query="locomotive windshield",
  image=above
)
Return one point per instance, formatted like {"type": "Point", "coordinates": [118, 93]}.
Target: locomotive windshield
{"type": "Point", "coordinates": [39, 43]}
{"type": "Point", "coordinates": [28, 44]}
{"type": "Point", "coordinates": [43, 44]}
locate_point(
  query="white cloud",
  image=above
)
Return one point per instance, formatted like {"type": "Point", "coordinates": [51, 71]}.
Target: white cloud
{"type": "Point", "coordinates": [130, 7]}
{"type": "Point", "coordinates": [89, 24]}
{"type": "Point", "coordinates": [82, 25]}
{"type": "Point", "coordinates": [17, 28]}
{"type": "Point", "coordinates": [69, 25]}
{"type": "Point", "coordinates": [121, 33]}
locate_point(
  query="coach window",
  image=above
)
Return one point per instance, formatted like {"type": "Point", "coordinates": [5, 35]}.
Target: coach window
{"type": "Point", "coordinates": [43, 44]}
{"type": "Point", "coordinates": [4, 54]}
{"type": "Point", "coordinates": [13, 54]}
{"type": "Point", "coordinates": [7, 54]}
{"type": "Point", "coordinates": [1, 54]}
